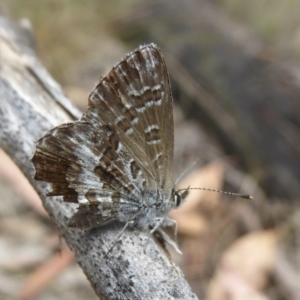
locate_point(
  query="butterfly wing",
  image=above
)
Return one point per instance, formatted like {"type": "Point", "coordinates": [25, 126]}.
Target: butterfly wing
{"type": "Point", "coordinates": [78, 159]}
{"type": "Point", "coordinates": [122, 145]}
{"type": "Point", "coordinates": [136, 101]}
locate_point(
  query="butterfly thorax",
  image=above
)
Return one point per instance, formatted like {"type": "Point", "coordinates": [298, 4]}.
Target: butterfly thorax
{"type": "Point", "coordinates": [155, 204]}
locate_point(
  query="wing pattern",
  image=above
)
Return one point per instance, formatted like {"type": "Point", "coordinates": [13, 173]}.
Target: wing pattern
{"type": "Point", "coordinates": [120, 148]}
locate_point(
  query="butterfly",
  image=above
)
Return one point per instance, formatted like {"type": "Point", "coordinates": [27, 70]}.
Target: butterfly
{"type": "Point", "coordinates": [116, 162]}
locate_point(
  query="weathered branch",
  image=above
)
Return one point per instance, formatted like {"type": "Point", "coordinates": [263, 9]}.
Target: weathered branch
{"type": "Point", "coordinates": [31, 104]}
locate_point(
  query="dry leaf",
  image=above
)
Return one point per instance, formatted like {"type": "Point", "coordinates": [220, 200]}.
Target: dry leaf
{"type": "Point", "coordinates": [188, 216]}
{"type": "Point", "coordinates": [11, 173]}
{"type": "Point", "coordinates": [43, 275]}
{"type": "Point", "coordinates": [210, 176]}
{"type": "Point", "coordinates": [245, 266]}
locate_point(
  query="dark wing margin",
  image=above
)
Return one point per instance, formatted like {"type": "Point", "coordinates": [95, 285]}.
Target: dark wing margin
{"type": "Point", "coordinates": [52, 164]}
{"type": "Point", "coordinates": [77, 158]}
{"type": "Point", "coordinates": [48, 170]}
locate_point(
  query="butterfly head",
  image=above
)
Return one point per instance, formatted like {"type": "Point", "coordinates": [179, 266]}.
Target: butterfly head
{"type": "Point", "coordinates": [179, 197]}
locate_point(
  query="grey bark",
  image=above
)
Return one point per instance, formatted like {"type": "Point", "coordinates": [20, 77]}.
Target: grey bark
{"type": "Point", "coordinates": [31, 103]}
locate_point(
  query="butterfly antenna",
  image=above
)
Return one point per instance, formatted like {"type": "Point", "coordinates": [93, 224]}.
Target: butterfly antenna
{"type": "Point", "coordinates": [186, 171]}
{"type": "Point", "coordinates": [249, 197]}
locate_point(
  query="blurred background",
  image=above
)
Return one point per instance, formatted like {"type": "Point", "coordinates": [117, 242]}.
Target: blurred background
{"type": "Point", "coordinates": [234, 67]}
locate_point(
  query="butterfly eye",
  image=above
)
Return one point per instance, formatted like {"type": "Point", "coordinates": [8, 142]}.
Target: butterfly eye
{"type": "Point", "coordinates": [177, 199]}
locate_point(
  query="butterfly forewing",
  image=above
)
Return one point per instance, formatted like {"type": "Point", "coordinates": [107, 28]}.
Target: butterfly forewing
{"type": "Point", "coordinates": [122, 146]}
{"type": "Point", "coordinates": [136, 101]}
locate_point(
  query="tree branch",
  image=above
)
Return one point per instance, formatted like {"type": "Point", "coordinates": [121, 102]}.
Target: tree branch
{"type": "Point", "coordinates": [31, 104]}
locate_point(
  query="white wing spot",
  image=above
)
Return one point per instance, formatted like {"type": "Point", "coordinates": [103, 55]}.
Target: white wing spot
{"type": "Point", "coordinates": [150, 128]}
{"type": "Point", "coordinates": [129, 131]}
{"type": "Point", "coordinates": [153, 142]}
{"type": "Point", "coordinates": [136, 93]}
{"type": "Point", "coordinates": [157, 156]}
{"type": "Point", "coordinates": [156, 87]}
{"type": "Point", "coordinates": [82, 199]}
{"type": "Point", "coordinates": [144, 89]}
{"type": "Point", "coordinates": [134, 121]}
{"type": "Point", "coordinates": [149, 103]}
{"type": "Point", "coordinates": [119, 119]}
{"type": "Point", "coordinates": [141, 109]}
{"type": "Point", "coordinates": [158, 102]}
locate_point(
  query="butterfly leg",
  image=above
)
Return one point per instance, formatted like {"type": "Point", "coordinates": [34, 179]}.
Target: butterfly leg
{"type": "Point", "coordinates": [168, 240]}
{"type": "Point", "coordinates": [160, 220]}
{"type": "Point", "coordinates": [171, 222]}
{"type": "Point", "coordinates": [118, 236]}
{"type": "Point", "coordinates": [167, 222]}
{"type": "Point", "coordinates": [156, 226]}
